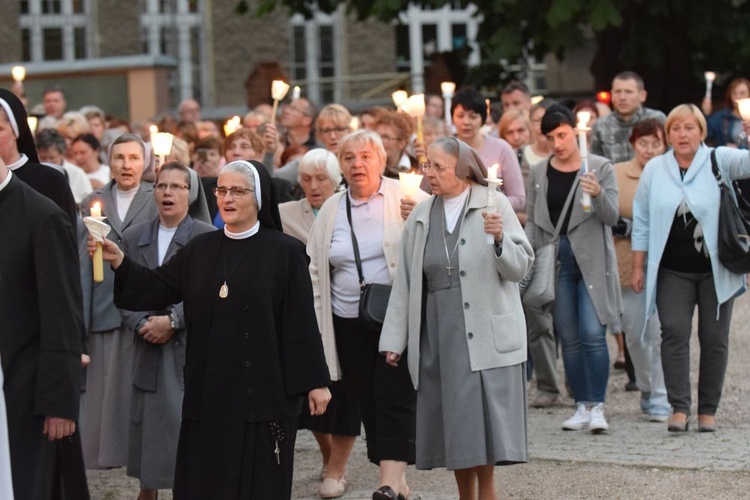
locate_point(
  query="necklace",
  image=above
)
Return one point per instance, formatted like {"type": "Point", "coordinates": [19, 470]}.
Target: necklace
{"type": "Point", "coordinates": [449, 268]}
{"type": "Point", "coordinates": [224, 289]}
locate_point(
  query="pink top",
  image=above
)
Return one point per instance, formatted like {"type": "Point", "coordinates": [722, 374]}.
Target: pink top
{"type": "Point", "coordinates": [499, 151]}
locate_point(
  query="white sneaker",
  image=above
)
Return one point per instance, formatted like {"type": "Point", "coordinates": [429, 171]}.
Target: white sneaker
{"type": "Point", "coordinates": [579, 420]}
{"type": "Point", "coordinates": [598, 423]}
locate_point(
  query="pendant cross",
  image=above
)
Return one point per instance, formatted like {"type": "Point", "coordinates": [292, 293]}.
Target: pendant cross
{"type": "Point", "coordinates": [449, 269]}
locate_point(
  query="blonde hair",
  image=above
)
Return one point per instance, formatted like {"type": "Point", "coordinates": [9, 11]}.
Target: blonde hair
{"type": "Point", "coordinates": [337, 114]}
{"type": "Point", "coordinates": [685, 112]}
{"type": "Point", "coordinates": [73, 124]}
{"type": "Point", "coordinates": [509, 117]}
{"type": "Point", "coordinates": [363, 137]}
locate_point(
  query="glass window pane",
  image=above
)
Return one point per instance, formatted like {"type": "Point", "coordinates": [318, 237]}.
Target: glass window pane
{"type": "Point", "coordinates": [298, 55]}
{"type": "Point", "coordinates": [25, 44]}
{"type": "Point", "coordinates": [78, 6]}
{"type": "Point", "coordinates": [79, 41]}
{"type": "Point", "coordinates": [53, 46]}
{"type": "Point", "coordinates": [326, 44]}
{"type": "Point", "coordinates": [429, 41]}
{"type": "Point", "coordinates": [24, 7]}
{"type": "Point", "coordinates": [193, 5]}
{"type": "Point", "coordinates": [403, 56]}
{"type": "Point", "coordinates": [459, 36]}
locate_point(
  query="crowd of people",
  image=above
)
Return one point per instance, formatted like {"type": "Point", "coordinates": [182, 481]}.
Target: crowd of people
{"type": "Point", "coordinates": [281, 278]}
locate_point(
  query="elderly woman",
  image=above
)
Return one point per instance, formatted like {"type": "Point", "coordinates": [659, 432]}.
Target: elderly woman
{"type": "Point", "coordinates": [648, 141]}
{"type": "Point", "coordinates": [370, 211]}
{"type": "Point", "coordinates": [252, 347]}
{"type": "Point", "coordinates": [587, 290]}
{"type": "Point", "coordinates": [469, 111]}
{"type": "Point", "coordinates": [675, 234]}
{"type": "Point", "coordinates": [455, 305]}
{"type": "Point", "coordinates": [336, 431]}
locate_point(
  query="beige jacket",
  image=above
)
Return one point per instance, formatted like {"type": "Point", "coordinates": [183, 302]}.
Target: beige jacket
{"type": "Point", "coordinates": [297, 218]}
{"type": "Point", "coordinates": [627, 174]}
{"type": "Point", "coordinates": [318, 247]}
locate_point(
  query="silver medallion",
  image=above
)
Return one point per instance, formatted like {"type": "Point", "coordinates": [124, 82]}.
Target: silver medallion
{"type": "Point", "coordinates": [224, 291]}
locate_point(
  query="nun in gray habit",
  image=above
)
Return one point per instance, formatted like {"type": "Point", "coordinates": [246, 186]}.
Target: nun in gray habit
{"type": "Point", "coordinates": [455, 304]}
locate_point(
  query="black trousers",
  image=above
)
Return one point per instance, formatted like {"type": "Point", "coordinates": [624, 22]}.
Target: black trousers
{"type": "Point", "coordinates": [384, 394]}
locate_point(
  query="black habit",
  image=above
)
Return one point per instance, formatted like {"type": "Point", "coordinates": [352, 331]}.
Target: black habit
{"type": "Point", "coordinates": [40, 341]}
{"type": "Point", "coordinates": [251, 357]}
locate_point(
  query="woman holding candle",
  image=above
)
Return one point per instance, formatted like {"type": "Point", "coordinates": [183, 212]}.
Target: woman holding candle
{"type": "Point", "coordinates": [469, 112]}
{"type": "Point", "coordinates": [383, 394]}
{"type": "Point", "coordinates": [455, 306]}
{"type": "Point", "coordinates": [587, 291]}
{"type": "Point", "coordinates": [724, 128]}
{"type": "Point", "coordinates": [675, 236]}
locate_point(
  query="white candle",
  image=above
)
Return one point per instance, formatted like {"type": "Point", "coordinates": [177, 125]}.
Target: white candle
{"type": "Point", "coordinates": [19, 73]}
{"type": "Point", "coordinates": [279, 88]}
{"type": "Point", "coordinates": [231, 126]}
{"type": "Point", "coordinates": [296, 92]}
{"type": "Point", "coordinates": [98, 262]}
{"type": "Point", "coordinates": [33, 121]}
{"type": "Point", "coordinates": [583, 118]}
{"type": "Point", "coordinates": [493, 181]}
{"type": "Point", "coordinates": [409, 183]}
{"type": "Point", "coordinates": [710, 77]}
{"type": "Point", "coordinates": [492, 172]}
{"type": "Point", "coordinates": [399, 98]}
{"type": "Point", "coordinates": [743, 105]}
{"type": "Point", "coordinates": [448, 88]}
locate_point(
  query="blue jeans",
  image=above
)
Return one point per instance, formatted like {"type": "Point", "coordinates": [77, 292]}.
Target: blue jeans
{"type": "Point", "coordinates": [583, 338]}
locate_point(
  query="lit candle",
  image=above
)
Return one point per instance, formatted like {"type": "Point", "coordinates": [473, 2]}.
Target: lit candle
{"type": "Point", "coordinates": [33, 121]}
{"type": "Point", "coordinates": [161, 142]}
{"type": "Point", "coordinates": [296, 92]}
{"type": "Point", "coordinates": [232, 125]}
{"type": "Point", "coordinates": [493, 181]}
{"type": "Point", "coordinates": [279, 88]}
{"type": "Point", "coordinates": [399, 98]}
{"type": "Point", "coordinates": [96, 212]}
{"type": "Point", "coordinates": [743, 105]}
{"type": "Point", "coordinates": [19, 73]}
{"type": "Point", "coordinates": [583, 118]}
{"type": "Point", "coordinates": [409, 183]}
{"type": "Point", "coordinates": [448, 88]}
{"type": "Point", "coordinates": [710, 77]}
{"type": "Point", "coordinates": [416, 108]}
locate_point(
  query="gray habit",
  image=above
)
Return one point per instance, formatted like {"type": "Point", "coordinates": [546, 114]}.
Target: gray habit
{"type": "Point", "coordinates": [464, 418]}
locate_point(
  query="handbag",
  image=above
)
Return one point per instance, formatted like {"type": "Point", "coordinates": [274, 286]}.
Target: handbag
{"type": "Point", "coordinates": [540, 290]}
{"type": "Point", "coordinates": [734, 224]}
{"type": "Point", "coordinates": [373, 298]}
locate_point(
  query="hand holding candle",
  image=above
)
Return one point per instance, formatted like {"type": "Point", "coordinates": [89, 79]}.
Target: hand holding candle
{"type": "Point", "coordinates": [583, 118]}
{"type": "Point", "coordinates": [710, 77]}
{"type": "Point", "coordinates": [279, 88]}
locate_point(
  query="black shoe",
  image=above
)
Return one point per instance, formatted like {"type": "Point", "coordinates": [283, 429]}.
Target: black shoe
{"type": "Point", "coordinates": [631, 387]}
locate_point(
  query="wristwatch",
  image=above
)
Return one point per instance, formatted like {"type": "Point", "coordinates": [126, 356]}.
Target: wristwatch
{"type": "Point", "coordinates": [172, 322]}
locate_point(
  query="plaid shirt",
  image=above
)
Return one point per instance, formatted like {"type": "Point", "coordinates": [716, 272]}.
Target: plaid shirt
{"type": "Point", "coordinates": [609, 135]}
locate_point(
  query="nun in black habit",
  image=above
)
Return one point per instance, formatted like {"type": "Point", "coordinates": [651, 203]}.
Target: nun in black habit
{"type": "Point", "coordinates": [253, 348]}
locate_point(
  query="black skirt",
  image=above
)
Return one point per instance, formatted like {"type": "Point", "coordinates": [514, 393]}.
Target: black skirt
{"type": "Point", "coordinates": [341, 417]}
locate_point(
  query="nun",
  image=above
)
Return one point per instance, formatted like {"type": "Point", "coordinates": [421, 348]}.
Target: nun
{"type": "Point", "coordinates": [254, 351]}
{"type": "Point", "coordinates": [455, 305]}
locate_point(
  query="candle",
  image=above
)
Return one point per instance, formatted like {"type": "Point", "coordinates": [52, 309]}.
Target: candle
{"type": "Point", "coordinates": [33, 121]}
{"type": "Point", "coordinates": [416, 108]}
{"type": "Point", "coordinates": [493, 181]}
{"type": "Point", "coordinates": [710, 77]}
{"type": "Point", "coordinates": [409, 183]}
{"type": "Point", "coordinates": [296, 92]}
{"type": "Point", "coordinates": [96, 212]}
{"type": "Point", "coordinates": [583, 118]}
{"type": "Point", "coordinates": [399, 98]}
{"type": "Point", "coordinates": [161, 142]}
{"type": "Point", "coordinates": [743, 105]}
{"type": "Point", "coordinates": [232, 125]}
{"type": "Point", "coordinates": [19, 73]}
{"type": "Point", "coordinates": [448, 88]}
{"type": "Point", "coordinates": [279, 88]}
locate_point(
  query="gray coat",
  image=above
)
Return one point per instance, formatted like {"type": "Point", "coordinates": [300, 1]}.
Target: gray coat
{"type": "Point", "coordinates": [590, 234]}
{"type": "Point", "coordinates": [495, 327]}
{"type": "Point", "coordinates": [141, 244]}
{"type": "Point", "coordinates": [104, 315]}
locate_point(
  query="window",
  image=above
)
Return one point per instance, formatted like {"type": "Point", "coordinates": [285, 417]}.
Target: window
{"type": "Point", "coordinates": [78, 6]}
{"type": "Point", "coordinates": [314, 57]}
{"type": "Point", "coordinates": [24, 7]}
{"type": "Point", "coordinates": [403, 55]}
{"type": "Point", "coordinates": [326, 62]}
{"type": "Point", "coordinates": [460, 40]}
{"type": "Point", "coordinates": [299, 59]}
{"type": "Point", "coordinates": [51, 7]}
{"type": "Point", "coordinates": [53, 44]}
{"type": "Point", "coordinates": [25, 45]}
{"type": "Point", "coordinates": [193, 6]}
{"type": "Point", "coordinates": [79, 43]}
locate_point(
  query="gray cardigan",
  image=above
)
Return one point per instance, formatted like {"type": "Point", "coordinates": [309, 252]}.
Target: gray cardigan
{"type": "Point", "coordinates": [495, 327]}
{"type": "Point", "coordinates": [589, 233]}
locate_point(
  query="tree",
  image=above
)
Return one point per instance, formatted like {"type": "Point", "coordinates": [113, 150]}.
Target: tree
{"type": "Point", "coordinates": [669, 42]}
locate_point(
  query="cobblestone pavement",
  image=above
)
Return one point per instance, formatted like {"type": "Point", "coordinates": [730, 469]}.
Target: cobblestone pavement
{"type": "Point", "coordinates": [635, 459]}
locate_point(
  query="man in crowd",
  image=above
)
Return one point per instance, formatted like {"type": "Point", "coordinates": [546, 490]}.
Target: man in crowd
{"type": "Point", "coordinates": [610, 134]}
{"type": "Point", "coordinates": [54, 102]}
{"type": "Point", "coordinates": [190, 110]}
{"type": "Point", "coordinates": [516, 95]}
{"type": "Point", "coordinates": [50, 146]}
{"type": "Point", "coordinates": [160, 337]}
{"type": "Point", "coordinates": [298, 118]}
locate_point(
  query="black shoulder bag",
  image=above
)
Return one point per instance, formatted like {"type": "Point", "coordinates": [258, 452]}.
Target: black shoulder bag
{"type": "Point", "coordinates": [373, 299]}
{"type": "Point", "coordinates": [734, 224]}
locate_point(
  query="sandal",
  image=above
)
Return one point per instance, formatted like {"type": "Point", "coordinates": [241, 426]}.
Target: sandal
{"type": "Point", "coordinates": [386, 493]}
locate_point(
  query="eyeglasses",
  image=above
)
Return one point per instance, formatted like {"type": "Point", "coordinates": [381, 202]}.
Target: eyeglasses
{"type": "Point", "coordinates": [162, 186]}
{"type": "Point", "coordinates": [338, 130]}
{"type": "Point", "coordinates": [389, 138]}
{"type": "Point", "coordinates": [236, 192]}
{"type": "Point", "coordinates": [428, 167]}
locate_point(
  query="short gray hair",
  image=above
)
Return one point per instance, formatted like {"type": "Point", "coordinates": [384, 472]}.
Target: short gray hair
{"type": "Point", "coordinates": [320, 158]}
{"type": "Point", "coordinates": [449, 145]}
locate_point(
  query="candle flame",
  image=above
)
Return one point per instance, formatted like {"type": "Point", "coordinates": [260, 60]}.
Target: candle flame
{"type": "Point", "coordinates": [279, 88]}
{"type": "Point", "coordinates": [97, 206]}
{"type": "Point", "coordinates": [743, 105]}
{"type": "Point", "coordinates": [583, 118]}
{"type": "Point", "coordinates": [33, 121]}
{"type": "Point", "coordinates": [710, 76]}
{"type": "Point", "coordinates": [19, 73]}
{"type": "Point", "coordinates": [448, 88]}
{"type": "Point", "coordinates": [399, 97]}
{"type": "Point", "coordinates": [415, 105]}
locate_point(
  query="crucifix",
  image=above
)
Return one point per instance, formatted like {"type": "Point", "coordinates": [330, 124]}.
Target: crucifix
{"type": "Point", "coordinates": [449, 268]}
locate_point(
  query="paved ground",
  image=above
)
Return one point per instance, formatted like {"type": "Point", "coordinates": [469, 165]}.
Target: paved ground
{"type": "Point", "coordinates": [635, 459]}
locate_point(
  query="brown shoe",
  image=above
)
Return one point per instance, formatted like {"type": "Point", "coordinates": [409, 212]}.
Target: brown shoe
{"type": "Point", "coordinates": [543, 400]}
{"type": "Point", "coordinates": [706, 423]}
{"type": "Point", "coordinates": [678, 422]}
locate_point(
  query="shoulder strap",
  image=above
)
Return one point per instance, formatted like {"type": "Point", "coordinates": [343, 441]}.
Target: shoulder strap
{"type": "Point", "coordinates": [564, 212]}
{"type": "Point", "coordinates": [715, 167]}
{"type": "Point", "coordinates": [355, 245]}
